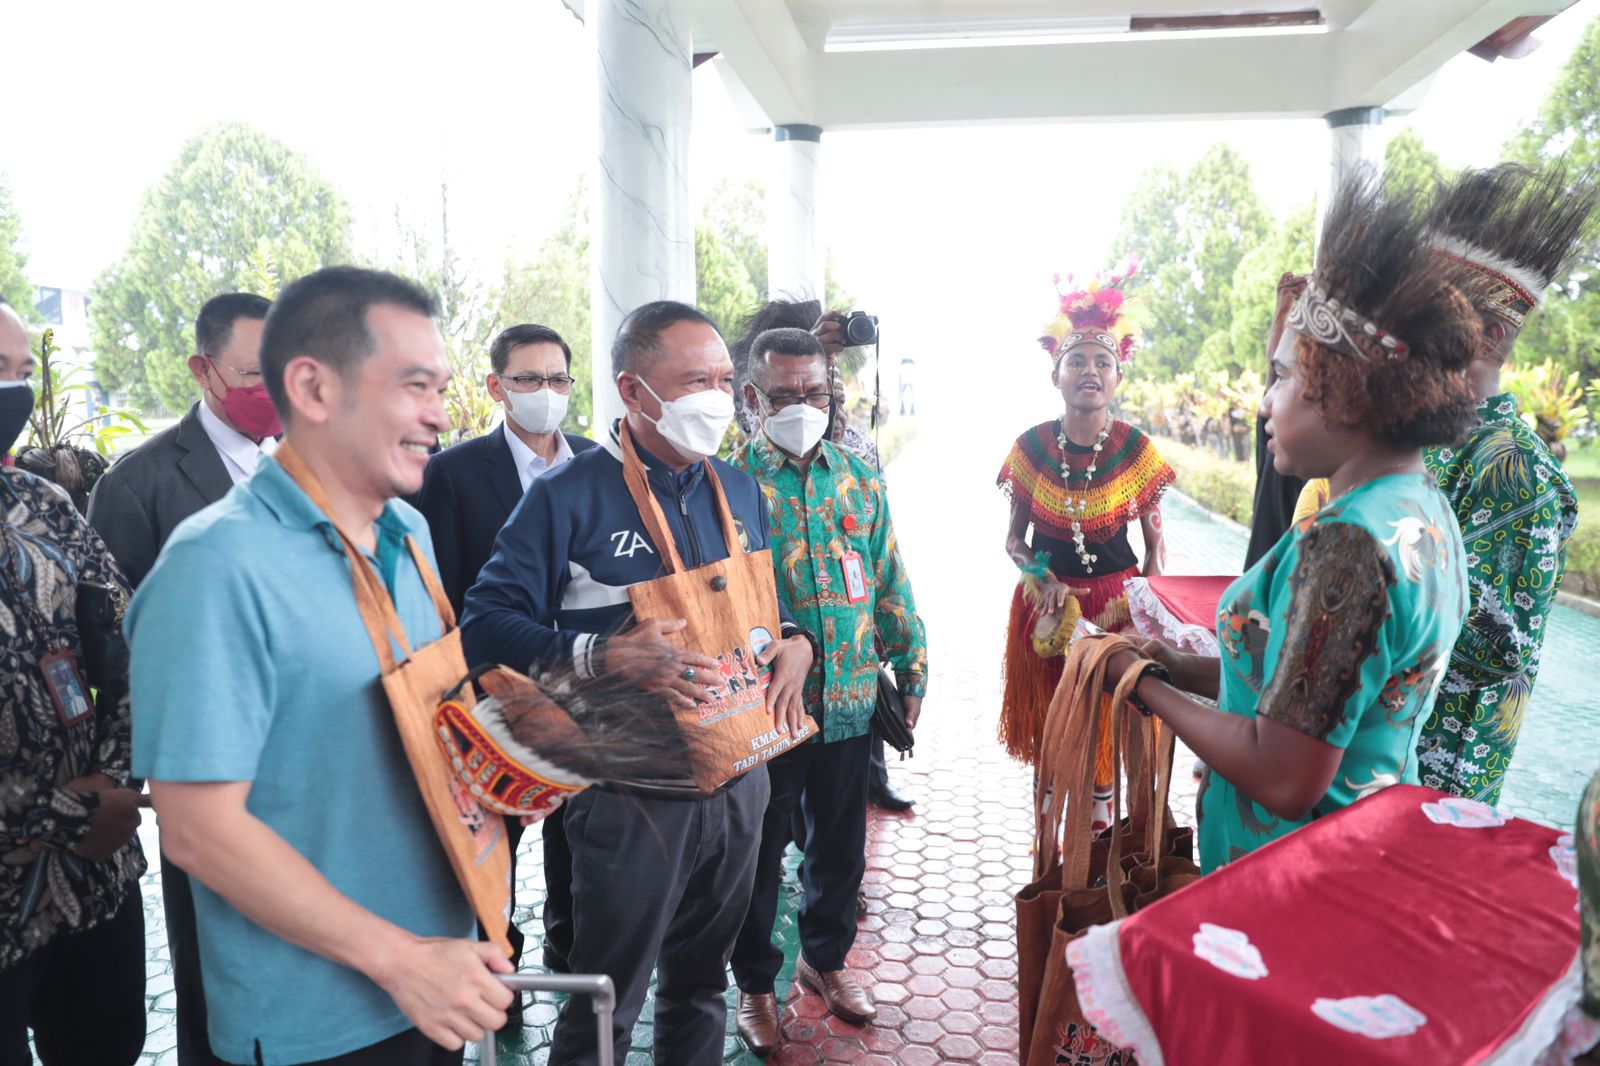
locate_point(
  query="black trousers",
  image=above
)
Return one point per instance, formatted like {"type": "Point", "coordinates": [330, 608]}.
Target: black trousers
{"type": "Point", "coordinates": [828, 783]}
{"type": "Point", "coordinates": [409, 1048]}
{"type": "Point", "coordinates": [879, 774]}
{"type": "Point", "coordinates": [82, 994]}
{"type": "Point", "coordinates": [661, 884]}
{"type": "Point", "coordinates": [557, 912]}
{"type": "Point", "coordinates": [183, 947]}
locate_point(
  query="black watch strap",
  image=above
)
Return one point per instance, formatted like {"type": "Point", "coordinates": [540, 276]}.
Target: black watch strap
{"type": "Point", "coordinates": [1151, 669]}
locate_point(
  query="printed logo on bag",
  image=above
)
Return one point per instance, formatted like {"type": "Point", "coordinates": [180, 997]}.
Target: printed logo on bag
{"type": "Point", "coordinates": [1229, 951]}
{"type": "Point", "coordinates": [1378, 1017]}
{"type": "Point", "coordinates": [743, 686]}
{"type": "Point", "coordinates": [1080, 1045]}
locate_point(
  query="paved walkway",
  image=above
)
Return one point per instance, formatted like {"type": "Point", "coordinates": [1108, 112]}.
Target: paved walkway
{"type": "Point", "coordinates": [936, 941]}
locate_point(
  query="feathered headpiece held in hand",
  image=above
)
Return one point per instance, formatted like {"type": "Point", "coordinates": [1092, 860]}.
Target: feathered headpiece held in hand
{"type": "Point", "coordinates": [1096, 314]}
{"type": "Point", "coordinates": [1512, 231]}
{"type": "Point", "coordinates": [529, 743]}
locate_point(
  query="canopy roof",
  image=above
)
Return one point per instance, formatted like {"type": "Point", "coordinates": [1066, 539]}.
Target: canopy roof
{"type": "Point", "coordinates": [842, 64]}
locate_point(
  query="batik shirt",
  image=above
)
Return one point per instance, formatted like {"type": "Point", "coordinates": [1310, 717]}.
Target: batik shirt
{"type": "Point", "coordinates": [1516, 510]}
{"type": "Point", "coordinates": [822, 511]}
{"type": "Point", "coordinates": [46, 552]}
{"type": "Point", "coordinates": [1342, 631]}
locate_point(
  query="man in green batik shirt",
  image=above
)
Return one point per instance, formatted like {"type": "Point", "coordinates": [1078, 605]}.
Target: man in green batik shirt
{"type": "Point", "coordinates": [842, 577]}
{"type": "Point", "coordinates": [1509, 231]}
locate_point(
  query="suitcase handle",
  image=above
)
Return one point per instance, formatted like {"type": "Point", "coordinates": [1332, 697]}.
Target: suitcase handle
{"type": "Point", "coordinates": [597, 985]}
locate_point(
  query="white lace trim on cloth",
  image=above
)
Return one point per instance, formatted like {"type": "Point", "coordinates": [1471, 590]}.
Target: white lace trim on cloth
{"type": "Point", "coordinates": [1152, 619]}
{"type": "Point", "coordinates": [1107, 1002]}
{"type": "Point", "coordinates": [1558, 1030]}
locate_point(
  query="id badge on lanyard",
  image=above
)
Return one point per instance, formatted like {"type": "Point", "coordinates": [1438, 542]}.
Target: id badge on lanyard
{"type": "Point", "coordinates": [855, 577]}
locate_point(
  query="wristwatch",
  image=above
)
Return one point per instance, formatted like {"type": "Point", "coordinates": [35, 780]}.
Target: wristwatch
{"type": "Point", "coordinates": [1151, 669]}
{"type": "Point", "coordinates": [790, 629]}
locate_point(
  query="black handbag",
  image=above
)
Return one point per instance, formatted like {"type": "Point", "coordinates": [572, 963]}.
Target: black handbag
{"type": "Point", "coordinates": [889, 718]}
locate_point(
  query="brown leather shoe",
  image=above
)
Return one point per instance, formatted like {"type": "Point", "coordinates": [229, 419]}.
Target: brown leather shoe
{"type": "Point", "coordinates": [757, 1020]}
{"type": "Point", "coordinates": [839, 991]}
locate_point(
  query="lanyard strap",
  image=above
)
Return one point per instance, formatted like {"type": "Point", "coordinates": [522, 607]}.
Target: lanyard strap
{"type": "Point", "coordinates": [655, 520]}
{"type": "Point", "coordinates": [373, 600]}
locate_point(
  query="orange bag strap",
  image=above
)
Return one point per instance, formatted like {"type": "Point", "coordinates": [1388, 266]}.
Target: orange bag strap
{"type": "Point", "coordinates": [655, 519]}
{"type": "Point", "coordinates": [430, 581]}
{"type": "Point", "coordinates": [1085, 677]}
{"type": "Point", "coordinates": [376, 606]}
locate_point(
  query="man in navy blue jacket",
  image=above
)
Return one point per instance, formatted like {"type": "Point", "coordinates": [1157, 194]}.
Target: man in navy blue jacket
{"type": "Point", "coordinates": [661, 875]}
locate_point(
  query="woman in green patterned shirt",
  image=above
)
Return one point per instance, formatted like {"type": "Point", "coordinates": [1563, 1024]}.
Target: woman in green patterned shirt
{"type": "Point", "coordinates": [1334, 642]}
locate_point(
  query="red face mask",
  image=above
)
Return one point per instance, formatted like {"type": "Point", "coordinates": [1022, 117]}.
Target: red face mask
{"type": "Point", "coordinates": [250, 410]}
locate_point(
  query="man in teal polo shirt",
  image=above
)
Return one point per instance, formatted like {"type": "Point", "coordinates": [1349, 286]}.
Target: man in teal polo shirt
{"type": "Point", "coordinates": [331, 927]}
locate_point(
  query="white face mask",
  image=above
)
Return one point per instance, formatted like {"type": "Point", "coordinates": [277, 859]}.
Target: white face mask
{"type": "Point", "coordinates": [537, 412]}
{"type": "Point", "coordinates": [797, 428]}
{"type": "Point", "coordinates": [695, 423]}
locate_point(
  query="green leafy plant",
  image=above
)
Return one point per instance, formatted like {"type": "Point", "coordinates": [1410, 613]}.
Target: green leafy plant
{"type": "Point", "coordinates": [1551, 400]}
{"type": "Point", "coordinates": [60, 436]}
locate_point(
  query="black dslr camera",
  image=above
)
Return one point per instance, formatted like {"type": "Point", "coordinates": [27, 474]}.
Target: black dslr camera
{"type": "Point", "coordinates": [860, 329]}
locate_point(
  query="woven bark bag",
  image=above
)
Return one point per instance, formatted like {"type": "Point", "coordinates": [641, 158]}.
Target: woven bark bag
{"type": "Point", "coordinates": [731, 608]}
{"type": "Point", "coordinates": [415, 681]}
{"type": "Point", "coordinates": [1081, 880]}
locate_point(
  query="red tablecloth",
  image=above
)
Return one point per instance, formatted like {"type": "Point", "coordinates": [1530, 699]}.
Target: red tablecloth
{"type": "Point", "coordinates": [1179, 610]}
{"type": "Point", "coordinates": [1409, 928]}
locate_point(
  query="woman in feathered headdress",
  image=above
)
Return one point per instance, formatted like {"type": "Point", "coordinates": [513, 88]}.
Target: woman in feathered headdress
{"type": "Point", "coordinates": [1079, 481]}
{"type": "Point", "coordinates": [1333, 645]}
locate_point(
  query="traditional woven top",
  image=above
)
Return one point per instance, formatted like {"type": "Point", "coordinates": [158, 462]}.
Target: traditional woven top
{"type": "Point", "coordinates": [1129, 480]}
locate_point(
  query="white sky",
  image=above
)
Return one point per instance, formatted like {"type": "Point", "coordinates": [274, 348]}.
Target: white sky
{"type": "Point", "coordinates": [941, 231]}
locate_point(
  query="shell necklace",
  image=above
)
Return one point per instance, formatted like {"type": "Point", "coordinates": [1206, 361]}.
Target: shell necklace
{"type": "Point", "coordinates": [1077, 508]}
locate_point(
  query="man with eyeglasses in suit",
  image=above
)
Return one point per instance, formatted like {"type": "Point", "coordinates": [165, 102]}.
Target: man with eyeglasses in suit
{"type": "Point", "coordinates": [468, 492]}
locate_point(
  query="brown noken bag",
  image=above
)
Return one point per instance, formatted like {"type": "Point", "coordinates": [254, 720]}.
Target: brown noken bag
{"type": "Point", "coordinates": [474, 840]}
{"type": "Point", "coordinates": [1081, 880]}
{"type": "Point", "coordinates": [732, 612]}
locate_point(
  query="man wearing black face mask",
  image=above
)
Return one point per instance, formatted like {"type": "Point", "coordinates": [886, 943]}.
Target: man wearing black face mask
{"type": "Point", "coordinates": [70, 915]}
{"type": "Point", "coordinates": [136, 506]}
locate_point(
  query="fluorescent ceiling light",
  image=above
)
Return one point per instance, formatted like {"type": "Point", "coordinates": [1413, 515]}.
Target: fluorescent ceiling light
{"type": "Point", "coordinates": [952, 30]}
{"type": "Point", "coordinates": [910, 40]}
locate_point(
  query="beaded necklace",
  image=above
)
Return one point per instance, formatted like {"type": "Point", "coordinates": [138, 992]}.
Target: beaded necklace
{"type": "Point", "coordinates": [1078, 507]}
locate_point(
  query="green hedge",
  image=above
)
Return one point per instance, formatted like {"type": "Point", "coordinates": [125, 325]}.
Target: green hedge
{"type": "Point", "coordinates": [1222, 485]}
{"type": "Point", "coordinates": [1583, 558]}
{"type": "Point", "coordinates": [1228, 488]}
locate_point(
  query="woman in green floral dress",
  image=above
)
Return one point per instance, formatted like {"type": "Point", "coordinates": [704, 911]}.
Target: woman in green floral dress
{"type": "Point", "coordinates": [1334, 643]}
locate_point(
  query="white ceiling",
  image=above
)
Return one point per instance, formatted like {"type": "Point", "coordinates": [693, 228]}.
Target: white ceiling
{"type": "Point", "coordinates": [846, 64]}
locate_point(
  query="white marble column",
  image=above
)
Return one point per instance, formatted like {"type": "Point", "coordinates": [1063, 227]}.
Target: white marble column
{"type": "Point", "coordinates": [1355, 136]}
{"type": "Point", "coordinates": [642, 236]}
{"type": "Point", "coordinates": [794, 247]}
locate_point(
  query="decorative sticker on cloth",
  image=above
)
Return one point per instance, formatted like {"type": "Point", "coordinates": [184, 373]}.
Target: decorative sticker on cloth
{"type": "Point", "coordinates": [1564, 853]}
{"type": "Point", "coordinates": [1463, 813]}
{"type": "Point", "coordinates": [1378, 1017]}
{"type": "Point", "coordinates": [1230, 951]}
